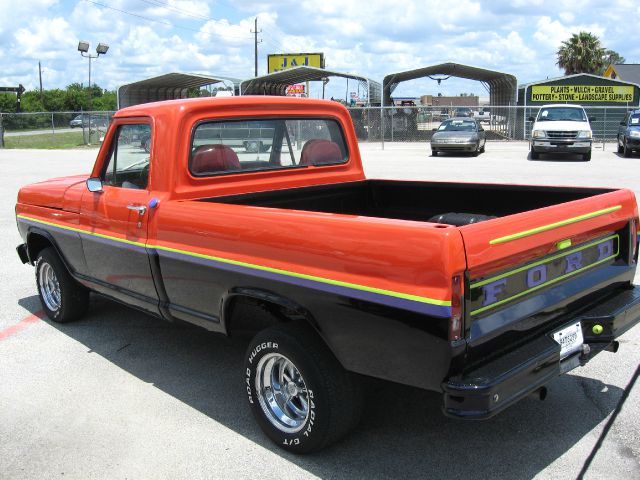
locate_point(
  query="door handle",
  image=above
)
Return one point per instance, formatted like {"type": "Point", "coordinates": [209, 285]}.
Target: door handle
{"type": "Point", "coordinates": [141, 209]}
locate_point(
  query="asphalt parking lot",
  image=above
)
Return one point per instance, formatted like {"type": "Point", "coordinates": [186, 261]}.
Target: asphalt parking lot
{"type": "Point", "coordinates": [122, 395]}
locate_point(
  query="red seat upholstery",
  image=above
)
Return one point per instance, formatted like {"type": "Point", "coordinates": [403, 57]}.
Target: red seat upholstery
{"type": "Point", "coordinates": [319, 151]}
{"type": "Point", "coordinates": [214, 158]}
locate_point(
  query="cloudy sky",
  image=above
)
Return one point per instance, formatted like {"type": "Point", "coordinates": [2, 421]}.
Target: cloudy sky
{"type": "Point", "coordinates": [371, 38]}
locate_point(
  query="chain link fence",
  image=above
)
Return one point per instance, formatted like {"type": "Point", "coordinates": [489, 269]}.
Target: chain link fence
{"type": "Point", "coordinates": [33, 130]}
{"type": "Point", "coordinates": [372, 124]}
{"type": "Point", "coordinates": [417, 124]}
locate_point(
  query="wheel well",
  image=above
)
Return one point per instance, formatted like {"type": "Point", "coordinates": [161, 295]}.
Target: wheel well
{"type": "Point", "coordinates": [245, 315]}
{"type": "Point", "coordinates": [36, 243]}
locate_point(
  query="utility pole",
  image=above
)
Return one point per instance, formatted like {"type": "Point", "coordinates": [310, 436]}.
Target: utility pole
{"type": "Point", "coordinates": [255, 31]}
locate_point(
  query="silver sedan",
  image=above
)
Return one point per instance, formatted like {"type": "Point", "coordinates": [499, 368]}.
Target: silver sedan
{"type": "Point", "coordinates": [458, 135]}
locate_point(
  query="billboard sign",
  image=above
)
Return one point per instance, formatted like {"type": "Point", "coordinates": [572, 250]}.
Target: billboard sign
{"type": "Point", "coordinates": [284, 61]}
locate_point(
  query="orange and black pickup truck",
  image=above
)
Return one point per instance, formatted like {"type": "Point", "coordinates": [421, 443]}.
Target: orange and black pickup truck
{"type": "Point", "coordinates": [481, 292]}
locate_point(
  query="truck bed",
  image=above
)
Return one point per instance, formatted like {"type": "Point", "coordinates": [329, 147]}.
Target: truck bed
{"type": "Point", "coordinates": [489, 330]}
{"type": "Point", "coordinates": [417, 201]}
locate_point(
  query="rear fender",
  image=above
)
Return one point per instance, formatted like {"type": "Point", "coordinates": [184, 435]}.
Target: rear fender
{"type": "Point", "coordinates": [281, 308]}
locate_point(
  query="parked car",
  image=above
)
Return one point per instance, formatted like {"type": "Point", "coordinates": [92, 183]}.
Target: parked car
{"type": "Point", "coordinates": [629, 133]}
{"type": "Point", "coordinates": [563, 129]}
{"type": "Point", "coordinates": [85, 120]}
{"type": "Point", "coordinates": [459, 135]}
{"type": "Point", "coordinates": [77, 121]}
{"type": "Point", "coordinates": [462, 112]}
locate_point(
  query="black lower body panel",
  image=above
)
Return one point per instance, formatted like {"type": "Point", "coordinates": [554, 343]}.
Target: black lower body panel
{"type": "Point", "coordinates": [491, 388]}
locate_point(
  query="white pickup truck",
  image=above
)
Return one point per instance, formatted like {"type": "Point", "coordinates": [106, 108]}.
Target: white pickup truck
{"type": "Point", "coordinates": [482, 115]}
{"type": "Point", "coordinates": [561, 128]}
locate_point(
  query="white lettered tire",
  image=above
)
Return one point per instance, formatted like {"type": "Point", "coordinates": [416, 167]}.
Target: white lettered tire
{"type": "Point", "coordinates": [299, 393]}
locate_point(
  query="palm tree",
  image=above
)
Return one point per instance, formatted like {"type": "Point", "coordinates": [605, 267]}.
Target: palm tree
{"type": "Point", "coordinates": [582, 53]}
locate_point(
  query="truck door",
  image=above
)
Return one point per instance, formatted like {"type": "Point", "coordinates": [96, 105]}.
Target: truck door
{"type": "Point", "coordinates": [116, 219]}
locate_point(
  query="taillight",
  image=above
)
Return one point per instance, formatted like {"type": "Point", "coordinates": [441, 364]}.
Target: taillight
{"type": "Point", "coordinates": [455, 325]}
{"type": "Point", "coordinates": [635, 235]}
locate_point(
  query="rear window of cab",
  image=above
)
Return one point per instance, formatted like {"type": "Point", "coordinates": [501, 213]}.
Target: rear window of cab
{"type": "Point", "coordinates": [237, 146]}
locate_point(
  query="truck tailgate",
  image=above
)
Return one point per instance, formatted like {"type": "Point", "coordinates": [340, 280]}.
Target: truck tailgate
{"type": "Point", "coordinates": [525, 269]}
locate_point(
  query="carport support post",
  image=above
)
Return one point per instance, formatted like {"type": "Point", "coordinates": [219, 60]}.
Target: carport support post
{"type": "Point", "coordinates": [53, 128]}
{"type": "Point", "coordinates": [1, 132]}
{"type": "Point", "coordinates": [392, 124]}
{"type": "Point", "coordinates": [382, 125]}
{"type": "Point", "coordinates": [604, 129]}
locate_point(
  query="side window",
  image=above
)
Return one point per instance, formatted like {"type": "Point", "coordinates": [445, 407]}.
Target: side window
{"type": "Point", "coordinates": [128, 165]}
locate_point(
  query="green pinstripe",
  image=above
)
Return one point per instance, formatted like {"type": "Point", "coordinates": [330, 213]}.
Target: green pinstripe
{"type": "Point", "coordinates": [355, 286]}
{"type": "Point", "coordinates": [551, 226]}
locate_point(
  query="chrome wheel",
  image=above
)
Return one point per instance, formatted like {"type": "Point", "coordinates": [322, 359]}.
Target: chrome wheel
{"type": "Point", "coordinates": [282, 393]}
{"type": "Point", "coordinates": [50, 287]}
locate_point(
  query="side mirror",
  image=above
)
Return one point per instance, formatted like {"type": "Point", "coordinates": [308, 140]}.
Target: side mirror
{"type": "Point", "coordinates": [94, 185]}
{"type": "Point", "coordinates": [623, 123]}
{"type": "Point", "coordinates": [531, 119]}
{"type": "Point", "coordinates": [592, 119]}
{"type": "Point", "coordinates": [434, 129]}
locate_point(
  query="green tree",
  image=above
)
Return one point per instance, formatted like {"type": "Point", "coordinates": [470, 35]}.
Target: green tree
{"type": "Point", "coordinates": [76, 98]}
{"type": "Point", "coordinates": [611, 57]}
{"type": "Point", "coordinates": [53, 100]}
{"type": "Point", "coordinates": [7, 102]}
{"type": "Point", "coordinates": [106, 101]}
{"type": "Point", "coordinates": [582, 53]}
{"type": "Point", "coordinates": [72, 99]}
{"type": "Point", "coordinates": [31, 102]}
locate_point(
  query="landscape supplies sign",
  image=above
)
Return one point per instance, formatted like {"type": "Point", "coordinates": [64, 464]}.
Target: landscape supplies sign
{"type": "Point", "coordinates": [582, 93]}
{"type": "Point", "coordinates": [284, 61]}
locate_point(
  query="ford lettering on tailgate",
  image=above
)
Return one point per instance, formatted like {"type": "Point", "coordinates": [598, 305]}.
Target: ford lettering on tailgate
{"type": "Point", "coordinates": [500, 289]}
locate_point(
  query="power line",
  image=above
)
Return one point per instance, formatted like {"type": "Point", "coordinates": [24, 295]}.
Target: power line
{"type": "Point", "coordinates": [271, 37]}
{"type": "Point", "coordinates": [141, 16]}
{"type": "Point", "coordinates": [162, 22]}
{"type": "Point", "coordinates": [158, 3]}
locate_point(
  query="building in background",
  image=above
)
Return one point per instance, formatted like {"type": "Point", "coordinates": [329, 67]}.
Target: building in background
{"type": "Point", "coordinates": [624, 71]}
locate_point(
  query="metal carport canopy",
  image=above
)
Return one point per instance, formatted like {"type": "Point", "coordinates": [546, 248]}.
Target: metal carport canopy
{"type": "Point", "coordinates": [276, 83]}
{"type": "Point", "coordinates": [167, 87]}
{"type": "Point", "coordinates": [502, 87]}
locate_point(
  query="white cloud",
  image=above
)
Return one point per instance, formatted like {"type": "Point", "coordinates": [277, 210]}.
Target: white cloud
{"type": "Point", "coordinates": [552, 33]}
{"type": "Point", "coordinates": [43, 38]}
{"type": "Point", "coordinates": [372, 38]}
{"type": "Point", "coordinates": [567, 17]}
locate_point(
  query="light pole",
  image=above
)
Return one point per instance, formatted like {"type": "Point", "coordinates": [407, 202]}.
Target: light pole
{"type": "Point", "coordinates": [83, 48]}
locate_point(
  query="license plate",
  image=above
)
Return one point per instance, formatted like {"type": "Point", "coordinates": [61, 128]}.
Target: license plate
{"type": "Point", "coordinates": [570, 339]}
